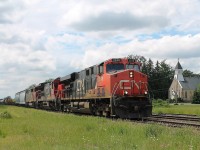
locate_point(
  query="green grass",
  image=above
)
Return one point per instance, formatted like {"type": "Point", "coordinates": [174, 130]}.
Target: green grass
{"type": "Point", "coordinates": [193, 109]}
{"type": "Point", "coordinates": [160, 103]}
{"type": "Point", "coordinates": [35, 129]}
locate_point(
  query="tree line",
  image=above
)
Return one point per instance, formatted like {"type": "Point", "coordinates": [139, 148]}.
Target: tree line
{"type": "Point", "coordinates": [160, 76]}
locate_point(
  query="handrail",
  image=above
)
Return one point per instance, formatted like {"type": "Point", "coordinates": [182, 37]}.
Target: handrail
{"type": "Point", "coordinates": [117, 85]}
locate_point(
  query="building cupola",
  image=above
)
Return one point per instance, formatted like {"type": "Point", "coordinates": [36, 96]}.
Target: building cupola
{"type": "Point", "coordinates": [178, 72]}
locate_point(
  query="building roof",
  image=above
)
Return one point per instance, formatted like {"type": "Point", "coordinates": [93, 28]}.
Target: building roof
{"type": "Point", "coordinates": [190, 83]}
{"type": "Point", "coordinates": [178, 66]}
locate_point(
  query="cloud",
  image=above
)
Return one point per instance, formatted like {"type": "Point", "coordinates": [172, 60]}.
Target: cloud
{"type": "Point", "coordinates": [183, 15]}
{"type": "Point", "coordinates": [109, 21]}
{"type": "Point", "coordinates": [20, 59]}
{"type": "Point", "coordinates": [21, 67]}
{"type": "Point", "coordinates": [23, 59]}
{"type": "Point", "coordinates": [10, 11]}
{"type": "Point", "coordinates": [168, 47]}
{"type": "Point", "coordinates": [46, 39]}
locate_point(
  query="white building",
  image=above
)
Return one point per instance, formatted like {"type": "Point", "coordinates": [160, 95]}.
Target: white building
{"type": "Point", "coordinates": [183, 87]}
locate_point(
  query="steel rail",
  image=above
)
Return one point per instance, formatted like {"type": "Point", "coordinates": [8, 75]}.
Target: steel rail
{"type": "Point", "coordinates": [181, 120]}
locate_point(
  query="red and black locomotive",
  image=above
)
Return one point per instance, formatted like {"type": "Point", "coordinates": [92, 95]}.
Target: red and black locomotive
{"type": "Point", "coordinates": [115, 87]}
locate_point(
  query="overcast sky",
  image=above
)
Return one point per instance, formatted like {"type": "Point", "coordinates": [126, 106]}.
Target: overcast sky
{"type": "Point", "coordinates": [47, 39]}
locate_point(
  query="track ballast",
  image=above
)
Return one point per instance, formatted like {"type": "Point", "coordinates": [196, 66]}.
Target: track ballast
{"type": "Point", "coordinates": [177, 120]}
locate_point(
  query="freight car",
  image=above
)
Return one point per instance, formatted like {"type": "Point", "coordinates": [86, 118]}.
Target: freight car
{"type": "Point", "coordinates": [115, 87]}
{"type": "Point", "coordinates": [20, 97]}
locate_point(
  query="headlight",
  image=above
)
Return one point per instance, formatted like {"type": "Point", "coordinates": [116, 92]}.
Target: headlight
{"type": "Point", "coordinates": [145, 92]}
{"type": "Point", "coordinates": [125, 92]}
{"type": "Point", "coordinates": [130, 74]}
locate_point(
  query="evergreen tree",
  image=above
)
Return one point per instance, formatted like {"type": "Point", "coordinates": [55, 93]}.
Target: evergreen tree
{"type": "Point", "coordinates": [166, 74]}
{"type": "Point", "coordinates": [150, 68]}
{"type": "Point", "coordinates": [188, 73]}
{"type": "Point", "coordinates": [196, 96]}
{"type": "Point", "coordinates": [155, 81]}
{"type": "Point", "coordinates": [149, 72]}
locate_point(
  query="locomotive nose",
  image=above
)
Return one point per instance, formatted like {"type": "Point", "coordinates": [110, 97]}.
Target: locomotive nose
{"type": "Point", "coordinates": [129, 83]}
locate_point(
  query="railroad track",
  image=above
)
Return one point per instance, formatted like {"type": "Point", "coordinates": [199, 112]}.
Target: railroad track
{"type": "Point", "coordinates": [175, 120]}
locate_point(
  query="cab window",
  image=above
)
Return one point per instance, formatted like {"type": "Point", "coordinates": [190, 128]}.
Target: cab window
{"type": "Point", "coordinates": [134, 67]}
{"type": "Point", "coordinates": [100, 68]}
{"type": "Point", "coordinates": [114, 67]}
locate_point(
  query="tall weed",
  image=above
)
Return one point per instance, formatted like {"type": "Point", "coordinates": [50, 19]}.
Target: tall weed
{"type": "Point", "coordinates": [153, 131]}
{"type": "Point", "coordinates": [5, 115]}
{"type": "Point", "coordinates": [2, 134]}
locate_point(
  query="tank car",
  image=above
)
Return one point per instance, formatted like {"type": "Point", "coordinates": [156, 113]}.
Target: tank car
{"type": "Point", "coordinates": [115, 87]}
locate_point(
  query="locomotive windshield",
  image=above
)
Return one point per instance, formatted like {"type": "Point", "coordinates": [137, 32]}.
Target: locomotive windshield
{"type": "Point", "coordinates": [114, 67]}
{"type": "Point", "coordinates": [131, 66]}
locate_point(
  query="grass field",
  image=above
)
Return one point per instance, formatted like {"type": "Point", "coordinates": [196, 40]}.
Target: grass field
{"type": "Point", "coordinates": [193, 109]}
{"type": "Point", "coordinates": [23, 128]}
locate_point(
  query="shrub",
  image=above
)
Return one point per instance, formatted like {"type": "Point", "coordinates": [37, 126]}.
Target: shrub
{"type": "Point", "coordinates": [153, 131]}
{"type": "Point", "coordinates": [171, 100]}
{"type": "Point", "coordinates": [5, 115]}
{"type": "Point", "coordinates": [196, 97]}
{"type": "Point", "coordinates": [160, 103]}
{"type": "Point", "coordinates": [2, 135]}
{"type": "Point", "coordinates": [179, 100]}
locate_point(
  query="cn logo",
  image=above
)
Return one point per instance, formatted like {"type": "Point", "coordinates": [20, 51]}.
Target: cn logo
{"type": "Point", "coordinates": [125, 84]}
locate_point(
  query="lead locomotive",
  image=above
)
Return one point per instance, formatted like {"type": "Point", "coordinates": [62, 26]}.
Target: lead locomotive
{"type": "Point", "coordinates": [115, 87]}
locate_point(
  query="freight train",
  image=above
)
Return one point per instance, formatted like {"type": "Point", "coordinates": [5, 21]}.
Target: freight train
{"type": "Point", "coordinates": [115, 87]}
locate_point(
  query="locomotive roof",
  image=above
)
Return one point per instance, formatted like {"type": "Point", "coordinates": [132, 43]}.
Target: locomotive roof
{"type": "Point", "coordinates": [111, 59]}
{"type": "Point", "coordinates": [41, 84]}
{"type": "Point", "coordinates": [71, 76]}
{"type": "Point", "coordinates": [67, 77]}
{"type": "Point", "coordinates": [21, 91]}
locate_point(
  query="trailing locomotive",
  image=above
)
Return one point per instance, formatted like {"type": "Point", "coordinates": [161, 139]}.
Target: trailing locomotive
{"type": "Point", "coordinates": [115, 87]}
